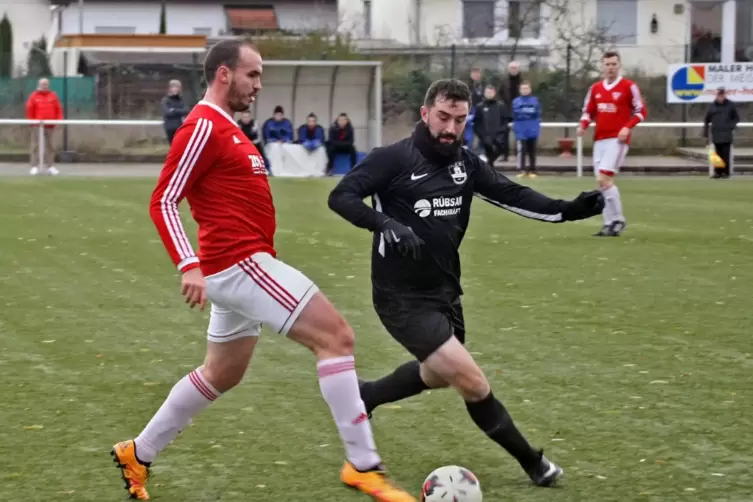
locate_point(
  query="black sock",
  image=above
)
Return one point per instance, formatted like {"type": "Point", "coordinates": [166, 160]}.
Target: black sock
{"type": "Point", "coordinates": [493, 419]}
{"type": "Point", "coordinates": [404, 382]}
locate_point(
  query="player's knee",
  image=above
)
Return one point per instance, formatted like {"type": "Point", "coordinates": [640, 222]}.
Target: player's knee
{"type": "Point", "coordinates": [223, 374]}
{"type": "Point", "coordinates": [337, 341]}
{"type": "Point", "coordinates": [432, 379]}
{"type": "Point", "coordinates": [605, 182]}
{"type": "Point", "coordinates": [343, 338]}
{"type": "Point", "coordinates": [473, 385]}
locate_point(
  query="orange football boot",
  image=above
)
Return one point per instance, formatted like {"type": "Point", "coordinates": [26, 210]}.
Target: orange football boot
{"type": "Point", "coordinates": [374, 483]}
{"type": "Point", "coordinates": [133, 471]}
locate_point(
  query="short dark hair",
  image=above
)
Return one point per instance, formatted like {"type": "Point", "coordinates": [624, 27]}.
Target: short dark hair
{"type": "Point", "coordinates": [450, 89]}
{"type": "Point", "coordinates": [611, 54]}
{"type": "Point", "coordinates": [223, 53]}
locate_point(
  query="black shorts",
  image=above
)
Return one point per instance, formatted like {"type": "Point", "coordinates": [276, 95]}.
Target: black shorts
{"type": "Point", "coordinates": [422, 327]}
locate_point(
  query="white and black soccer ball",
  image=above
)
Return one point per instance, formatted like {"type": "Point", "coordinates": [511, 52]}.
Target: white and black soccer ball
{"type": "Point", "coordinates": [451, 483]}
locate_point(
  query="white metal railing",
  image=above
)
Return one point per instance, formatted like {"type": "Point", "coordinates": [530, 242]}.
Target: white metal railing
{"type": "Point", "coordinates": [552, 125]}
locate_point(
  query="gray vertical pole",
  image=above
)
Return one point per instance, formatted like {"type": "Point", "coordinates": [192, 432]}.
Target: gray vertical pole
{"type": "Point", "coordinates": [377, 105]}
{"type": "Point", "coordinates": [80, 17]}
{"type": "Point", "coordinates": [40, 139]}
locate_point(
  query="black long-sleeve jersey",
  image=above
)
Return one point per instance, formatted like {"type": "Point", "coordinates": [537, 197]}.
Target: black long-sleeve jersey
{"type": "Point", "coordinates": [411, 184]}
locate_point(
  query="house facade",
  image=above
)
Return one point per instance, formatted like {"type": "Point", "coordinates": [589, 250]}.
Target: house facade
{"type": "Point", "coordinates": [650, 34]}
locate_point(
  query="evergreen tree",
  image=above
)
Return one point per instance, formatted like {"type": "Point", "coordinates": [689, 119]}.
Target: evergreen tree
{"type": "Point", "coordinates": [163, 18]}
{"type": "Point", "coordinates": [38, 63]}
{"type": "Point", "coordinates": [6, 48]}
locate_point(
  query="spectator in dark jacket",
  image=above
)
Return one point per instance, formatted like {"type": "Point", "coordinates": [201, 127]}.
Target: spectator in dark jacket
{"type": "Point", "coordinates": [278, 129]}
{"type": "Point", "coordinates": [722, 116]}
{"type": "Point", "coordinates": [174, 109]}
{"type": "Point", "coordinates": [510, 89]}
{"type": "Point", "coordinates": [311, 134]}
{"type": "Point", "coordinates": [491, 125]}
{"type": "Point", "coordinates": [341, 140]}
{"type": "Point", "coordinates": [251, 130]}
{"type": "Point", "coordinates": [476, 86]}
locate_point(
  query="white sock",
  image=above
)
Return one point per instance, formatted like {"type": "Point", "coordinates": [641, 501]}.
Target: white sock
{"type": "Point", "coordinates": [187, 398]}
{"type": "Point", "coordinates": [339, 385]}
{"type": "Point", "coordinates": [612, 205]}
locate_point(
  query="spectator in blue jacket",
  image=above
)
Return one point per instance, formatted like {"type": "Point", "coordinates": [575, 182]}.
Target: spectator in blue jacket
{"type": "Point", "coordinates": [278, 129]}
{"type": "Point", "coordinates": [311, 134]}
{"type": "Point", "coordinates": [526, 116]}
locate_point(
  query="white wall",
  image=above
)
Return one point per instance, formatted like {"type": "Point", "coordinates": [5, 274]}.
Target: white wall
{"type": "Point", "coordinates": [142, 17]}
{"type": "Point", "coordinates": [652, 52]}
{"type": "Point", "coordinates": [183, 18]}
{"type": "Point", "coordinates": [302, 16]}
{"type": "Point", "coordinates": [30, 20]}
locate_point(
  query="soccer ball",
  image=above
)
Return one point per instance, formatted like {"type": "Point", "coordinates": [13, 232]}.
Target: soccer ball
{"type": "Point", "coordinates": [451, 483]}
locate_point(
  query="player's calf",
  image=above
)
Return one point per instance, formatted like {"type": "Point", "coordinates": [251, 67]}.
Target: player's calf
{"type": "Point", "coordinates": [454, 363]}
{"type": "Point", "coordinates": [323, 330]}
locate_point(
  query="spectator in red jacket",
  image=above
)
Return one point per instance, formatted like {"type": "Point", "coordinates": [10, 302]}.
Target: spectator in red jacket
{"type": "Point", "coordinates": [43, 104]}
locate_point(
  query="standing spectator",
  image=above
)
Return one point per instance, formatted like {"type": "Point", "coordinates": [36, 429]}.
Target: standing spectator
{"type": "Point", "coordinates": [251, 130]}
{"type": "Point", "coordinates": [491, 125]}
{"type": "Point", "coordinates": [510, 91]}
{"type": "Point", "coordinates": [278, 129]}
{"type": "Point", "coordinates": [311, 134]}
{"type": "Point", "coordinates": [722, 116]}
{"type": "Point", "coordinates": [43, 104]}
{"type": "Point", "coordinates": [174, 109]}
{"type": "Point", "coordinates": [476, 85]}
{"type": "Point", "coordinates": [526, 117]}
{"type": "Point", "coordinates": [341, 140]}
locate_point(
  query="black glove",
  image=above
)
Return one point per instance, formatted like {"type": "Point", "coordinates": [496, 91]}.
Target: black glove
{"type": "Point", "coordinates": [402, 239]}
{"type": "Point", "coordinates": [584, 206]}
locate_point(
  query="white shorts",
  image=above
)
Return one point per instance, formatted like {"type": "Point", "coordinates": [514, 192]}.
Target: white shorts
{"type": "Point", "coordinates": [609, 154]}
{"type": "Point", "coordinates": [258, 290]}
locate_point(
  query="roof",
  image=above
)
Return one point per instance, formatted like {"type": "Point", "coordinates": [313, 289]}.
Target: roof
{"type": "Point", "coordinates": [114, 58]}
{"type": "Point", "coordinates": [131, 42]}
{"type": "Point", "coordinates": [250, 18]}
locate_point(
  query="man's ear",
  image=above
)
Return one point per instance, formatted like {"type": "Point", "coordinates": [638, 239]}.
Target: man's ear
{"type": "Point", "coordinates": [425, 113]}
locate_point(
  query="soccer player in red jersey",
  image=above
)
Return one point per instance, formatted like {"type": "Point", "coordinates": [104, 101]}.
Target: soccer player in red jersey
{"type": "Point", "coordinates": [221, 173]}
{"type": "Point", "coordinates": [616, 106]}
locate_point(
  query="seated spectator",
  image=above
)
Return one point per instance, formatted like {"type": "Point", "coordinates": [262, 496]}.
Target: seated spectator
{"type": "Point", "coordinates": [278, 129]}
{"type": "Point", "coordinates": [341, 140]}
{"type": "Point", "coordinates": [311, 134]}
{"type": "Point", "coordinates": [251, 130]}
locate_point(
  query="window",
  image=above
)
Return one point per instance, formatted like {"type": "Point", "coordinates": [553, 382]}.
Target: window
{"type": "Point", "coordinates": [367, 18]}
{"type": "Point", "coordinates": [706, 32]}
{"type": "Point", "coordinates": [524, 18]}
{"type": "Point", "coordinates": [618, 20]}
{"type": "Point", "coordinates": [744, 31]}
{"type": "Point", "coordinates": [478, 18]}
{"type": "Point", "coordinates": [115, 30]}
{"type": "Point", "coordinates": [203, 31]}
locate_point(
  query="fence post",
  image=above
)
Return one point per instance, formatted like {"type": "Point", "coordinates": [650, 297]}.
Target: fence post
{"type": "Point", "coordinates": [579, 155]}
{"type": "Point", "coordinates": [453, 56]}
{"type": "Point", "coordinates": [40, 147]}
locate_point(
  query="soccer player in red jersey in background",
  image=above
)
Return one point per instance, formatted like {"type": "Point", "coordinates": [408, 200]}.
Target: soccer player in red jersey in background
{"type": "Point", "coordinates": [616, 106]}
{"type": "Point", "coordinates": [221, 173]}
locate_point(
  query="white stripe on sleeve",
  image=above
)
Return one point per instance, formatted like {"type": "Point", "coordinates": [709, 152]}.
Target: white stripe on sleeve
{"type": "Point", "coordinates": [169, 201]}
{"type": "Point", "coordinates": [523, 212]}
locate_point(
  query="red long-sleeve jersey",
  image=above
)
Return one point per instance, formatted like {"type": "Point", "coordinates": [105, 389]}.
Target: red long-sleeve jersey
{"type": "Point", "coordinates": [220, 172]}
{"type": "Point", "coordinates": [612, 107]}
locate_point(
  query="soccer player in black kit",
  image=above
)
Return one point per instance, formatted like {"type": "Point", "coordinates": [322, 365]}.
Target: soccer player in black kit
{"type": "Point", "coordinates": [422, 188]}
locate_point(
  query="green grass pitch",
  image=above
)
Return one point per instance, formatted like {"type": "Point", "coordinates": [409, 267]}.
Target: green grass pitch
{"type": "Point", "coordinates": [628, 360]}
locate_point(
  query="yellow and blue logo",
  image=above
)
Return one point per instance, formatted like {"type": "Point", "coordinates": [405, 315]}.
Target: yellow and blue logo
{"type": "Point", "coordinates": [688, 82]}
